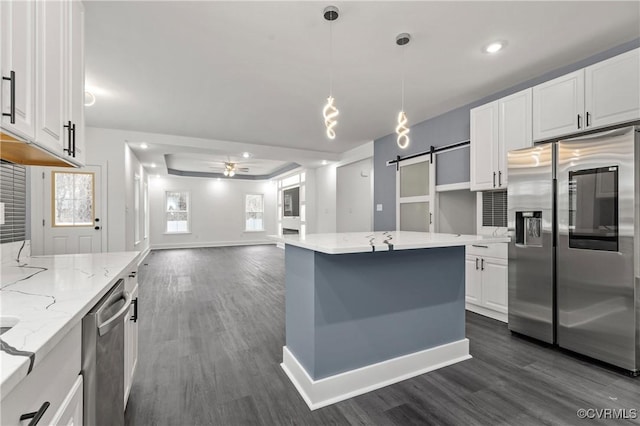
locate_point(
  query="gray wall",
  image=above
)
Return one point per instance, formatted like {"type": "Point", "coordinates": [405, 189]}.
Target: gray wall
{"type": "Point", "coordinates": [445, 129]}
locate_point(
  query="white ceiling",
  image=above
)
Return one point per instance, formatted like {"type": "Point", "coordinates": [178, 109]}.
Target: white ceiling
{"type": "Point", "coordinates": [256, 73]}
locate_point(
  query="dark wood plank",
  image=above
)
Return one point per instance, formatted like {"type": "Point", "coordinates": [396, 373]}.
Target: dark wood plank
{"type": "Point", "coordinates": [211, 338]}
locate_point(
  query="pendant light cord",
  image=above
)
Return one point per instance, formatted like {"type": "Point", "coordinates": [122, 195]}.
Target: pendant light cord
{"type": "Point", "coordinates": [331, 58]}
{"type": "Point", "coordinates": [403, 70]}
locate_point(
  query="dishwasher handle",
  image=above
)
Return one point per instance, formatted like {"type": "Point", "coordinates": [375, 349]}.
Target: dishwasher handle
{"type": "Point", "coordinates": [106, 326]}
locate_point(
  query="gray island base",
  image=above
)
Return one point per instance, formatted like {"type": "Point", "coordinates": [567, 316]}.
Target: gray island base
{"type": "Point", "coordinates": [359, 321]}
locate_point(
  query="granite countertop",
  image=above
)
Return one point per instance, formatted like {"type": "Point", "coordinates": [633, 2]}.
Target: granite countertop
{"type": "Point", "coordinates": [362, 242]}
{"type": "Point", "coordinates": [49, 295]}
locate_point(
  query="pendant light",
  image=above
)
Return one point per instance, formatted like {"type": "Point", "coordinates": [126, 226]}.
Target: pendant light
{"type": "Point", "coordinates": [401, 129]}
{"type": "Point", "coordinates": [330, 112]}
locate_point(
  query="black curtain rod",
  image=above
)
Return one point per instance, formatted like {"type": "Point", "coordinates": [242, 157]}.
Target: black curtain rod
{"type": "Point", "coordinates": [432, 150]}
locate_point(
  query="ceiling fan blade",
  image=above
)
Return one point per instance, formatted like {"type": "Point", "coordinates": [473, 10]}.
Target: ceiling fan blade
{"type": "Point", "coordinates": [242, 169]}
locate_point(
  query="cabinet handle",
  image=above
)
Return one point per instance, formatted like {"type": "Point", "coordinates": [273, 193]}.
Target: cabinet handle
{"type": "Point", "coordinates": [430, 218]}
{"type": "Point", "coordinates": [482, 265]}
{"type": "Point", "coordinates": [476, 263]}
{"type": "Point", "coordinates": [36, 415]}
{"type": "Point", "coordinates": [68, 127]}
{"type": "Point", "coordinates": [579, 123]}
{"type": "Point", "coordinates": [494, 179]}
{"type": "Point", "coordinates": [588, 121]}
{"type": "Point", "coordinates": [134, 317]}
{"type": "Point", "coordinates": [476, 245]}
{"type": "Point", "coordinates": [12, 111]}
{"type": "Point", "coordinates": [500, 178]}
{"type": "Point", "coordinates": [73, 148]}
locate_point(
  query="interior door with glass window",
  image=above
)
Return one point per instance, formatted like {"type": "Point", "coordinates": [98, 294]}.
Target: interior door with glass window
{"type": "Point", "coordinates": [415, 195]}
{"type": "Point", "coordinates": [72, 211]}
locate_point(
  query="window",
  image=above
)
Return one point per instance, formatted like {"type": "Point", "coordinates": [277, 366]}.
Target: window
{"type": "Point", "coordinates": [177, 211]}
{"type": "Point", "coordinates": [254, 212]}
{"type": "Point", "coordinates": [13, 195]}
{"type": "Point", "coordinates": [73, 194]}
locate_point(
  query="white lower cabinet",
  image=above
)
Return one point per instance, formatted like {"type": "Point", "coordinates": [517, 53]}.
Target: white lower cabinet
{"type": "Point", "coordinates": [486, 280]}
{"type": "Point", "coordinates": [50, 389]}
{"type": "Point", "coordinates": [131, 336]}
{"type": "Point", "coordinates": [70, 413]}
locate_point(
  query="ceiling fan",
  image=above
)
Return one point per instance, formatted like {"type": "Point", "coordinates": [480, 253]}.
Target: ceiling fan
{"type": "Point", "coordinates": [231, 168]}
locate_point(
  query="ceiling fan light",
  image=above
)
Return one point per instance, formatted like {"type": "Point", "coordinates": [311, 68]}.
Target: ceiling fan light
{"type": "Point", "coordinates": [232, 173]}
{"type": "Point", "coordinates": [226, 172]}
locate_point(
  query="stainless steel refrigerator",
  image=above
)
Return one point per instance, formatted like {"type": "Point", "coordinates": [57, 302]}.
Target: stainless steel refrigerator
{"type": "Point", "coordinates": [574, 255]}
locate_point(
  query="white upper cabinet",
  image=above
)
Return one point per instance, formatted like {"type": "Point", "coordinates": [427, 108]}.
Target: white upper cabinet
{"type": "Point", "coordinates": [603, 94]}
{"type": "Point", "coordinates": [74, 114]}
{"type": "Point", "coordinates": [50, 75]}
{"type": "Point", "coordinates": [497, 128]}
{"type": "Point", "coordinates": [484, 147]}
{"type": "Point", "coordinates": [514, 125]}
{"type": "Point", "coordinates": [612, 90]}
{"type": "Point", "coordinates": [558, 106]}
{"type": "Point", "coordinates": [18, 59]}
{"type": "Point", "coordinates": [43, 75]}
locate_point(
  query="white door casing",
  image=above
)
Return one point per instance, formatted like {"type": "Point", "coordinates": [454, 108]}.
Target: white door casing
{"type": "Point", "coordinates": [71, 239]}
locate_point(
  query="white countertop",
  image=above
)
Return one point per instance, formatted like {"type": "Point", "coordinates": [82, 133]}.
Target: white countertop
{"type": "Point", "coordinates": [362, 242]}
{"type": "Point", "coordinates": [49, 295]}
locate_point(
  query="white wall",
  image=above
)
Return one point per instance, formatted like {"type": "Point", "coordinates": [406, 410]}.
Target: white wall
{"type": "Point", "coordinates": [326, 199]}
{"type": "Point", "coordinates": [119, 166]}
{"type": "Point", "coordinates": [354, 198]}
{"type": "Point", "coordinates": [327, 184]}
{"type": "Point", "coordinates": [217, 211]}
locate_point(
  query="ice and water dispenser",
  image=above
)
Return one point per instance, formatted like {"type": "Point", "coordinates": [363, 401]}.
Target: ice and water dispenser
{"type": "Point", "coordinates": [529, 228]}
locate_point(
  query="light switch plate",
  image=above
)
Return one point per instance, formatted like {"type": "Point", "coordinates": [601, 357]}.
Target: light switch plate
{"type": "Point", "coordinates": [378, 207]}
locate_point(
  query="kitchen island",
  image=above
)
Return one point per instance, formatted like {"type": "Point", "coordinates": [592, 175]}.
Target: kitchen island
{"type": "Point", "coordinates": [365, 310]}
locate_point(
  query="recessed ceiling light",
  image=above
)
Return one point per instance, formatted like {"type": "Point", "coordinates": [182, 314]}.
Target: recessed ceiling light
{"type": "Point", "coordinates": [494, 47]}
{"type": "Point", "coordinates": [324, 162]}
{"type": "Point", "coordinates": [153, 165]}
{"type": "Point", "coordinates": [144, 145]}
{"type": "Point", "coordinates": [246, 155]}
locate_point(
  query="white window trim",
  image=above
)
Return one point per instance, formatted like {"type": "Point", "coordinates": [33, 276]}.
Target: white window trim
{"type": "Point", "coordinates": [244, 208]}
{"type": "Point", "coordinates": [188, 231]}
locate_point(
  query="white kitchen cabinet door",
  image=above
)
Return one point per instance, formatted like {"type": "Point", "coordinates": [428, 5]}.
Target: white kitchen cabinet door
{"type": "Point", "coordinates": [51, 22]}
{"type": "Point", "coordinates": [75, 79]}
{"type": "Point", "coordinates": [17, 32]}
{"type": "Point", "coordinates": [130, 345]}
{"type": "Point", "coordinates": [70, 412]}
{"type": "Point", "coordinates": [558, 106]}
{"type": "Point", "coordinates": [484, 145]}
{"type": "Point", "coordinates": [473, 280]}
{"type": "Point", "coordinates": [494, 284]}
{"type": "Point", "coordinates": [514, 129]}
{"type": "Point", "coordinates": [612, 93]}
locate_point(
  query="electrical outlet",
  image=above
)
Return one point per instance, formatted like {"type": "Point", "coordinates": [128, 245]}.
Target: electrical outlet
{"type": "Point", "coordinates": [378, 207]}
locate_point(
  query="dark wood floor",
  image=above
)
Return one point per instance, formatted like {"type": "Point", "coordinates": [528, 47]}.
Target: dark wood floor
{"type": "Point", "coordinates": [211, 337]}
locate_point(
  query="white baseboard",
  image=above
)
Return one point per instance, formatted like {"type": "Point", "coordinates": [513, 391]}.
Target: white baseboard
{"type": "Point", "coordinates": [280, 245]}
{"type": "Point", "coordinates": [210, 244]}
{"type": "Point", "coordinates": [327, 391]}
{"type": "Point", "coordinates": [144, 254]}
{"type": "Point", "coordinates": [500, 316]}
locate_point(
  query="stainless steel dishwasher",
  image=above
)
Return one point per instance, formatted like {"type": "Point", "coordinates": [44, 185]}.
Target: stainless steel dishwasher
{"type": "Point", "coordinates": [103, 358]}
